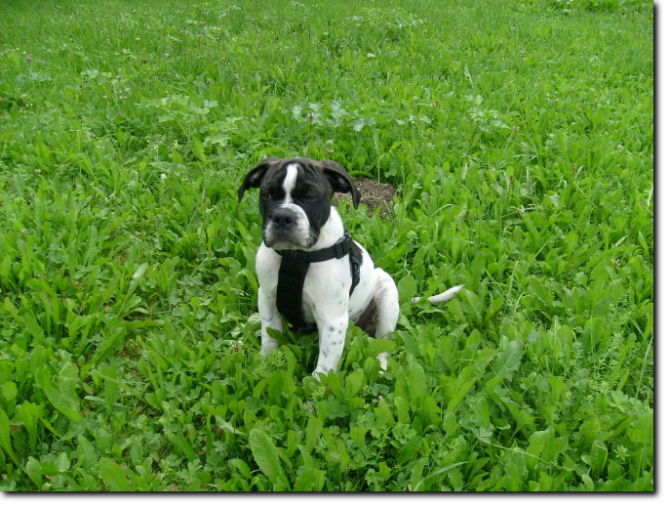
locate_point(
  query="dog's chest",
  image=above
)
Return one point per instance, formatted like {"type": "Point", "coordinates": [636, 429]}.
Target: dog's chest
{"type": "Point", "coordinates": [326, 283]}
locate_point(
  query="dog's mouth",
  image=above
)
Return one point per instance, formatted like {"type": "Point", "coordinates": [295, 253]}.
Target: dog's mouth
{"type": "Point", "coordinates": [288, 240]}
{"type": "Point", "coordinates": [291, 238]}
{"type": "Point", "coordinates": [282, 243]}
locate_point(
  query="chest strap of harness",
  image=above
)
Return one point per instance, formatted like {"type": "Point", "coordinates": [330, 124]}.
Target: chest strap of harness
{"type": "Point", "coordinates": [292, 273]}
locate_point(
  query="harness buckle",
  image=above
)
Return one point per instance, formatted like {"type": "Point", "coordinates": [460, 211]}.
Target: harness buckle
{"type": "Point", "coordinates": [343, 246]}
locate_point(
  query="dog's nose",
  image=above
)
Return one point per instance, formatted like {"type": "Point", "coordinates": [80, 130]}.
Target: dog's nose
{"type": "Point", "coordinates": [283, 219]}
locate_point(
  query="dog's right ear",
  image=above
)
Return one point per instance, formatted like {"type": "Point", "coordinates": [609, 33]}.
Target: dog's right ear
{"type": "Point", "coordinates": [255, 176]}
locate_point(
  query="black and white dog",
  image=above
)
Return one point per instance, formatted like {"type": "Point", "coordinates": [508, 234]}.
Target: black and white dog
{"type": "Point", "coordinates": [339, 282]}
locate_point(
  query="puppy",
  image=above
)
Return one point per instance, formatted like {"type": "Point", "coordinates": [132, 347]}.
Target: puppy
{"type": "Point", "coordinates": [340, 282]}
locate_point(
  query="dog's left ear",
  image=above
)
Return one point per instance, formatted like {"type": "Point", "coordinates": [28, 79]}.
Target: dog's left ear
{"type": "Point", "coordinates": [255, 176]}
{"type": "Point", "coordinates": [340, 180]}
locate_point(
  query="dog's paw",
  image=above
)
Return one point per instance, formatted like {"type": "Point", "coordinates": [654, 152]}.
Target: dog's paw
{"type": "Point", "coordinates": [382, 360]}
{"type": "Point", "coordinates": [316, 372]}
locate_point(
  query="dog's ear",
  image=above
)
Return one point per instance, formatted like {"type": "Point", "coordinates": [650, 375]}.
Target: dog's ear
{"type": "Point", "coordinates": [340, 180]}
{"type": "Point", "coordinates": [255, 176]}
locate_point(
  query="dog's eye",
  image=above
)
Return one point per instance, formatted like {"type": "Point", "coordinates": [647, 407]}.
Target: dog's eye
{"type": "Point", "coordinates": [311, 196]}
{"type": "Point", "coordinates": [265, 194]}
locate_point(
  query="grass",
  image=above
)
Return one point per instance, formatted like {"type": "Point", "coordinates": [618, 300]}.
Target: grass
{"type": "Point", "coordinates": [520, 138]}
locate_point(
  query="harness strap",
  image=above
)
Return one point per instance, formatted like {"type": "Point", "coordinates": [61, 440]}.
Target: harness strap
{"type": "Point", "coordinates": [293, 270]}
{"type": "Point", "coordinates": [292, 273]}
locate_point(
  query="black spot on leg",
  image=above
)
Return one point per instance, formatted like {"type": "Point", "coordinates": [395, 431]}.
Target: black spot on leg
{"type": "Point", "coordinates": [331, 329]}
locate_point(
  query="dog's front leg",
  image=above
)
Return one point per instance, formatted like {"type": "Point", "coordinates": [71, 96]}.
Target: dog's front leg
{"type": "Point", "coordinates": [269, 319]}
{"type": "Point", "coordinates": [332, 332]}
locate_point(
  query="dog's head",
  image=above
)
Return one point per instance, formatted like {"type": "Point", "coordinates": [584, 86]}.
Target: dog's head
{"type": "Point", "coordinates": [295, 198]}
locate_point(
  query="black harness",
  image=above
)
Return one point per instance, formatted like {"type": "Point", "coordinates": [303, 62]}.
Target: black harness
{"type": "Point", "coordinates": [292, 273]}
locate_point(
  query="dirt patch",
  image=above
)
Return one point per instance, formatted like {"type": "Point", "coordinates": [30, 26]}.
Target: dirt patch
{"type": "Point", "coordinates": [374, 194]}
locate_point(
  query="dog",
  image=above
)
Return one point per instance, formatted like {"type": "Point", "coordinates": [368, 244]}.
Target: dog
{"type": "Point", "coordinates": [309, 270]}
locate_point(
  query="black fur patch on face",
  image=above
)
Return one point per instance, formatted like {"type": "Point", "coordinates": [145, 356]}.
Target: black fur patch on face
{"type": "Point", "coordinates": [315, 183]}
{"type": "Point", "coordinates": [337, 176]}
{"type": "Point", "coordinates": [312, 192]}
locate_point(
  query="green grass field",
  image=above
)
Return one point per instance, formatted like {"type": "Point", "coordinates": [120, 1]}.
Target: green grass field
{"type": "Point", "coordinates": [520, 138]}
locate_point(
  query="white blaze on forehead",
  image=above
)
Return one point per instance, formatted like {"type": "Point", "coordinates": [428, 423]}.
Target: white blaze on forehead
{"type": "Point", "coordinates": [289, 181]}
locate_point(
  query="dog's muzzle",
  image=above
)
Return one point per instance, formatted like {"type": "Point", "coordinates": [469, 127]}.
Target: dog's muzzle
{"type": "Point", "coordinates": [287, 228]}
